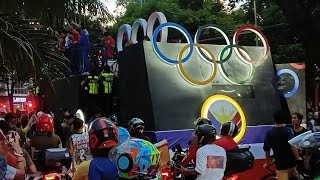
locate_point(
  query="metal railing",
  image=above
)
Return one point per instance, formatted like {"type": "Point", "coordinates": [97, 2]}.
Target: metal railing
{"type": "Point", "coordinates": [20, 89]}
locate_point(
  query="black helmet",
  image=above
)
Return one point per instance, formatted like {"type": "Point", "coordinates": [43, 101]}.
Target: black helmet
{"type": "Point", "coordinates": [114, 118]}
{"type": "Point", "coordinates": [229, 129]}
{"type": "Point", "coordinates": [202, 120]}
{"type": "Point", "coordinates": [206, 133]}
{"type": "Point", "coordinates": [103, 134]}
{"type": "Point", "coordinates": [136, 125]}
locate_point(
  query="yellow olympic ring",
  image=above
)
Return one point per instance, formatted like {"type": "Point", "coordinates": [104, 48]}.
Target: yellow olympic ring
{"type": "Point", "coordinates": [212, 99]}
{"type": "Point", "coordinates": [184, 73]}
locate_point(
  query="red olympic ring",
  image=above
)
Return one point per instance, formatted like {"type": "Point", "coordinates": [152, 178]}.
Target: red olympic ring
{"type": "Point", "coordinates": [298, 66]}
{"type": "Point", "coordinates": [261, 35]}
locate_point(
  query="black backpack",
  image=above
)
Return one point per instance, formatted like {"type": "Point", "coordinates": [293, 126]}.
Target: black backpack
{"type": "Point", "coordinates": [239, 160]}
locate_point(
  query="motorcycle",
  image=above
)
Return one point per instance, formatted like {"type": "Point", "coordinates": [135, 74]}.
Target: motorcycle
{"type": "Point", "coordinates": [54, 165]}
{"type": "Point", "coordinates": [239, 160]}
{"type": "Point", "coordinates": [172, 172]}
{"type": "Point", "coordinates": [310, 143]}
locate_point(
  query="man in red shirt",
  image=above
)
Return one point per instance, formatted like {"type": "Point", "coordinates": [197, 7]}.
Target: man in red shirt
{"type": "Point", "coordinates": [228, 131]}
{"type": "Point", "coordinates": [109, 44]}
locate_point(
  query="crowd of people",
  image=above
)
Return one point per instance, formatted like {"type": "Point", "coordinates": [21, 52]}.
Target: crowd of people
{"type": "Point", "coordinates": [23, 143]}
{"type": "Point", "coordinates": [24, 138]}
{"type": "Point", "coordinates": [74, 43]}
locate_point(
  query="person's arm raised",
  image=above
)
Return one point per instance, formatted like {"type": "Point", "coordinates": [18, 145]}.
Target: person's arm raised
{"type": "Point", "coordinates": [21, 161]}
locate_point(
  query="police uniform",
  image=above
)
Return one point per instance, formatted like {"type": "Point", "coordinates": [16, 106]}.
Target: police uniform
{"type": "Point", "coordinates": [106, 82]}
{"type": "Point", "coordinates": [92, 92]}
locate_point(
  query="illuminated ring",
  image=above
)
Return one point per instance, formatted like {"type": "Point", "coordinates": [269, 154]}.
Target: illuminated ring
{"type": "Point", "coordinates": [152, 20]}
{"type": "Point", "coordinates": [124, 28]}
{"type": "Point", "coordinates": [197, 37]}
{"type": "Point", "coordinates": [135, 26]}
{"type": "Point", "coordinates": [224, 72]}
{"type": "Point", "coordinates": [296, 81]}
{"type": "Point", "coordinates": [212, 99]}
{"type": "Point", "coordinates": [298, 66]}
{"type": "Point", "coordinates": [181, 29]}
{"type": "Point", "coordinates": [261, 36]}
{"type": "Point", "coordinates": [186, 76]}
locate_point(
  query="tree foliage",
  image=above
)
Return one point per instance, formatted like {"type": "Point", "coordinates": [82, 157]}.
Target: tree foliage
{"type": "Point", "coordinates": [189, 14]}
{"type": "Point", "coordinates": [286, 46]}
{"type": "Point", "coordinates": [53, 12]}
{"type": "Point", "coordinates": [28, 53]}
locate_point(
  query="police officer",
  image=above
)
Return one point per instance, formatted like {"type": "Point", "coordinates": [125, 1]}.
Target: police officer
{"type": "Point", "coordinates": [91, 87]}
{"type": "Point", "coordinates": [106, 84]}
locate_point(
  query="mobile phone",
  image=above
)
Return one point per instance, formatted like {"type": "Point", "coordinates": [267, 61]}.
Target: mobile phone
{"type": "Point", "coordinates": [11, 137]}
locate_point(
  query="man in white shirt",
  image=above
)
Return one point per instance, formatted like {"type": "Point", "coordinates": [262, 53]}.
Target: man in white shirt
{"type": "Point", "coordinates": [211, 159]}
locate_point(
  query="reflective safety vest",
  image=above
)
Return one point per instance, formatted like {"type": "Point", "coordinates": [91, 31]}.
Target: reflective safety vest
{"type": "Point", "coordinates": [93, 84]}
{"type": "Point", "coordinates": [107, 82]}
{"type": "Point", "coordinates": [37, 90]}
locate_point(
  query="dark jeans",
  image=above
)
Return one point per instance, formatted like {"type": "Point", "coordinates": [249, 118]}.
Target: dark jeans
{"type": "Point", "coordinates": [75, 58]}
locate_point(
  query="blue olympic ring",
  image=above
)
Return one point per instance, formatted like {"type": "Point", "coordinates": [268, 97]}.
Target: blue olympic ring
{"type": "Point", "coordinates": [296, 81]}
{"type": "Point", "coordinates": [179, 28]}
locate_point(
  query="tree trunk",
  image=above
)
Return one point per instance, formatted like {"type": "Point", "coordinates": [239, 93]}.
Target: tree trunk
{"type": "Point", "coordinates": [10, 96]}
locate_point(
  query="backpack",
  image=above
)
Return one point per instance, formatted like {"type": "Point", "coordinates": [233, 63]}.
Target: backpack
{"type": "Point", "coordinates": [239, 160]}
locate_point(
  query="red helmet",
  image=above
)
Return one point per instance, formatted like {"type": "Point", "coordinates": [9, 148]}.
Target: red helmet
{"type": "Point", "coordinates": [103, 134]}
{"type": "Point", "coordinates": [45, 123]}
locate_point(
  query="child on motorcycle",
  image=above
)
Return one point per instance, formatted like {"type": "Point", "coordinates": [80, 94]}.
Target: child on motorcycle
{"type": "Point", "coordinates": [79, 143]}
{"type": "Point", "coordinates": [103, 136]}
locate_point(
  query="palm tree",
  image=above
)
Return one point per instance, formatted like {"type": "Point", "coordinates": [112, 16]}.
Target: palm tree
{"type": "Point", "coordinates": [52, 13]}
{"type": "Point", "coordinates": [28, 52]}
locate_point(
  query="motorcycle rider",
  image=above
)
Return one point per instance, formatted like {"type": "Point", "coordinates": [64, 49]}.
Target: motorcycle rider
{"type": "Point", "coordinates": [193, 145]}
{"type": "Point", "coordinates": [229, 130]}
{"type": "Point", "coordinates": [211, 158]}
{"type": "Point", "coordinates": [136, 127]}
{"type": "Point", "coordinates": [44, 138]}
{"type": "Point", "coordinates": [103, 136]}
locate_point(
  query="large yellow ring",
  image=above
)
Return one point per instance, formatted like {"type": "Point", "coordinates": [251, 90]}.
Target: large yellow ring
{"type": "Point", "coordinates": [212, 99]}
{"type": "Point", "coordinates": [184, 73]}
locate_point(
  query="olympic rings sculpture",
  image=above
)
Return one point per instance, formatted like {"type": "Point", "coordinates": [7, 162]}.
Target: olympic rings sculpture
{"type": "Point", "coordinates": [131, 32]}
{"type": "Point", "coordinates": [295, 78]}
{"type": "Point", "coordinates": [206, 55]}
